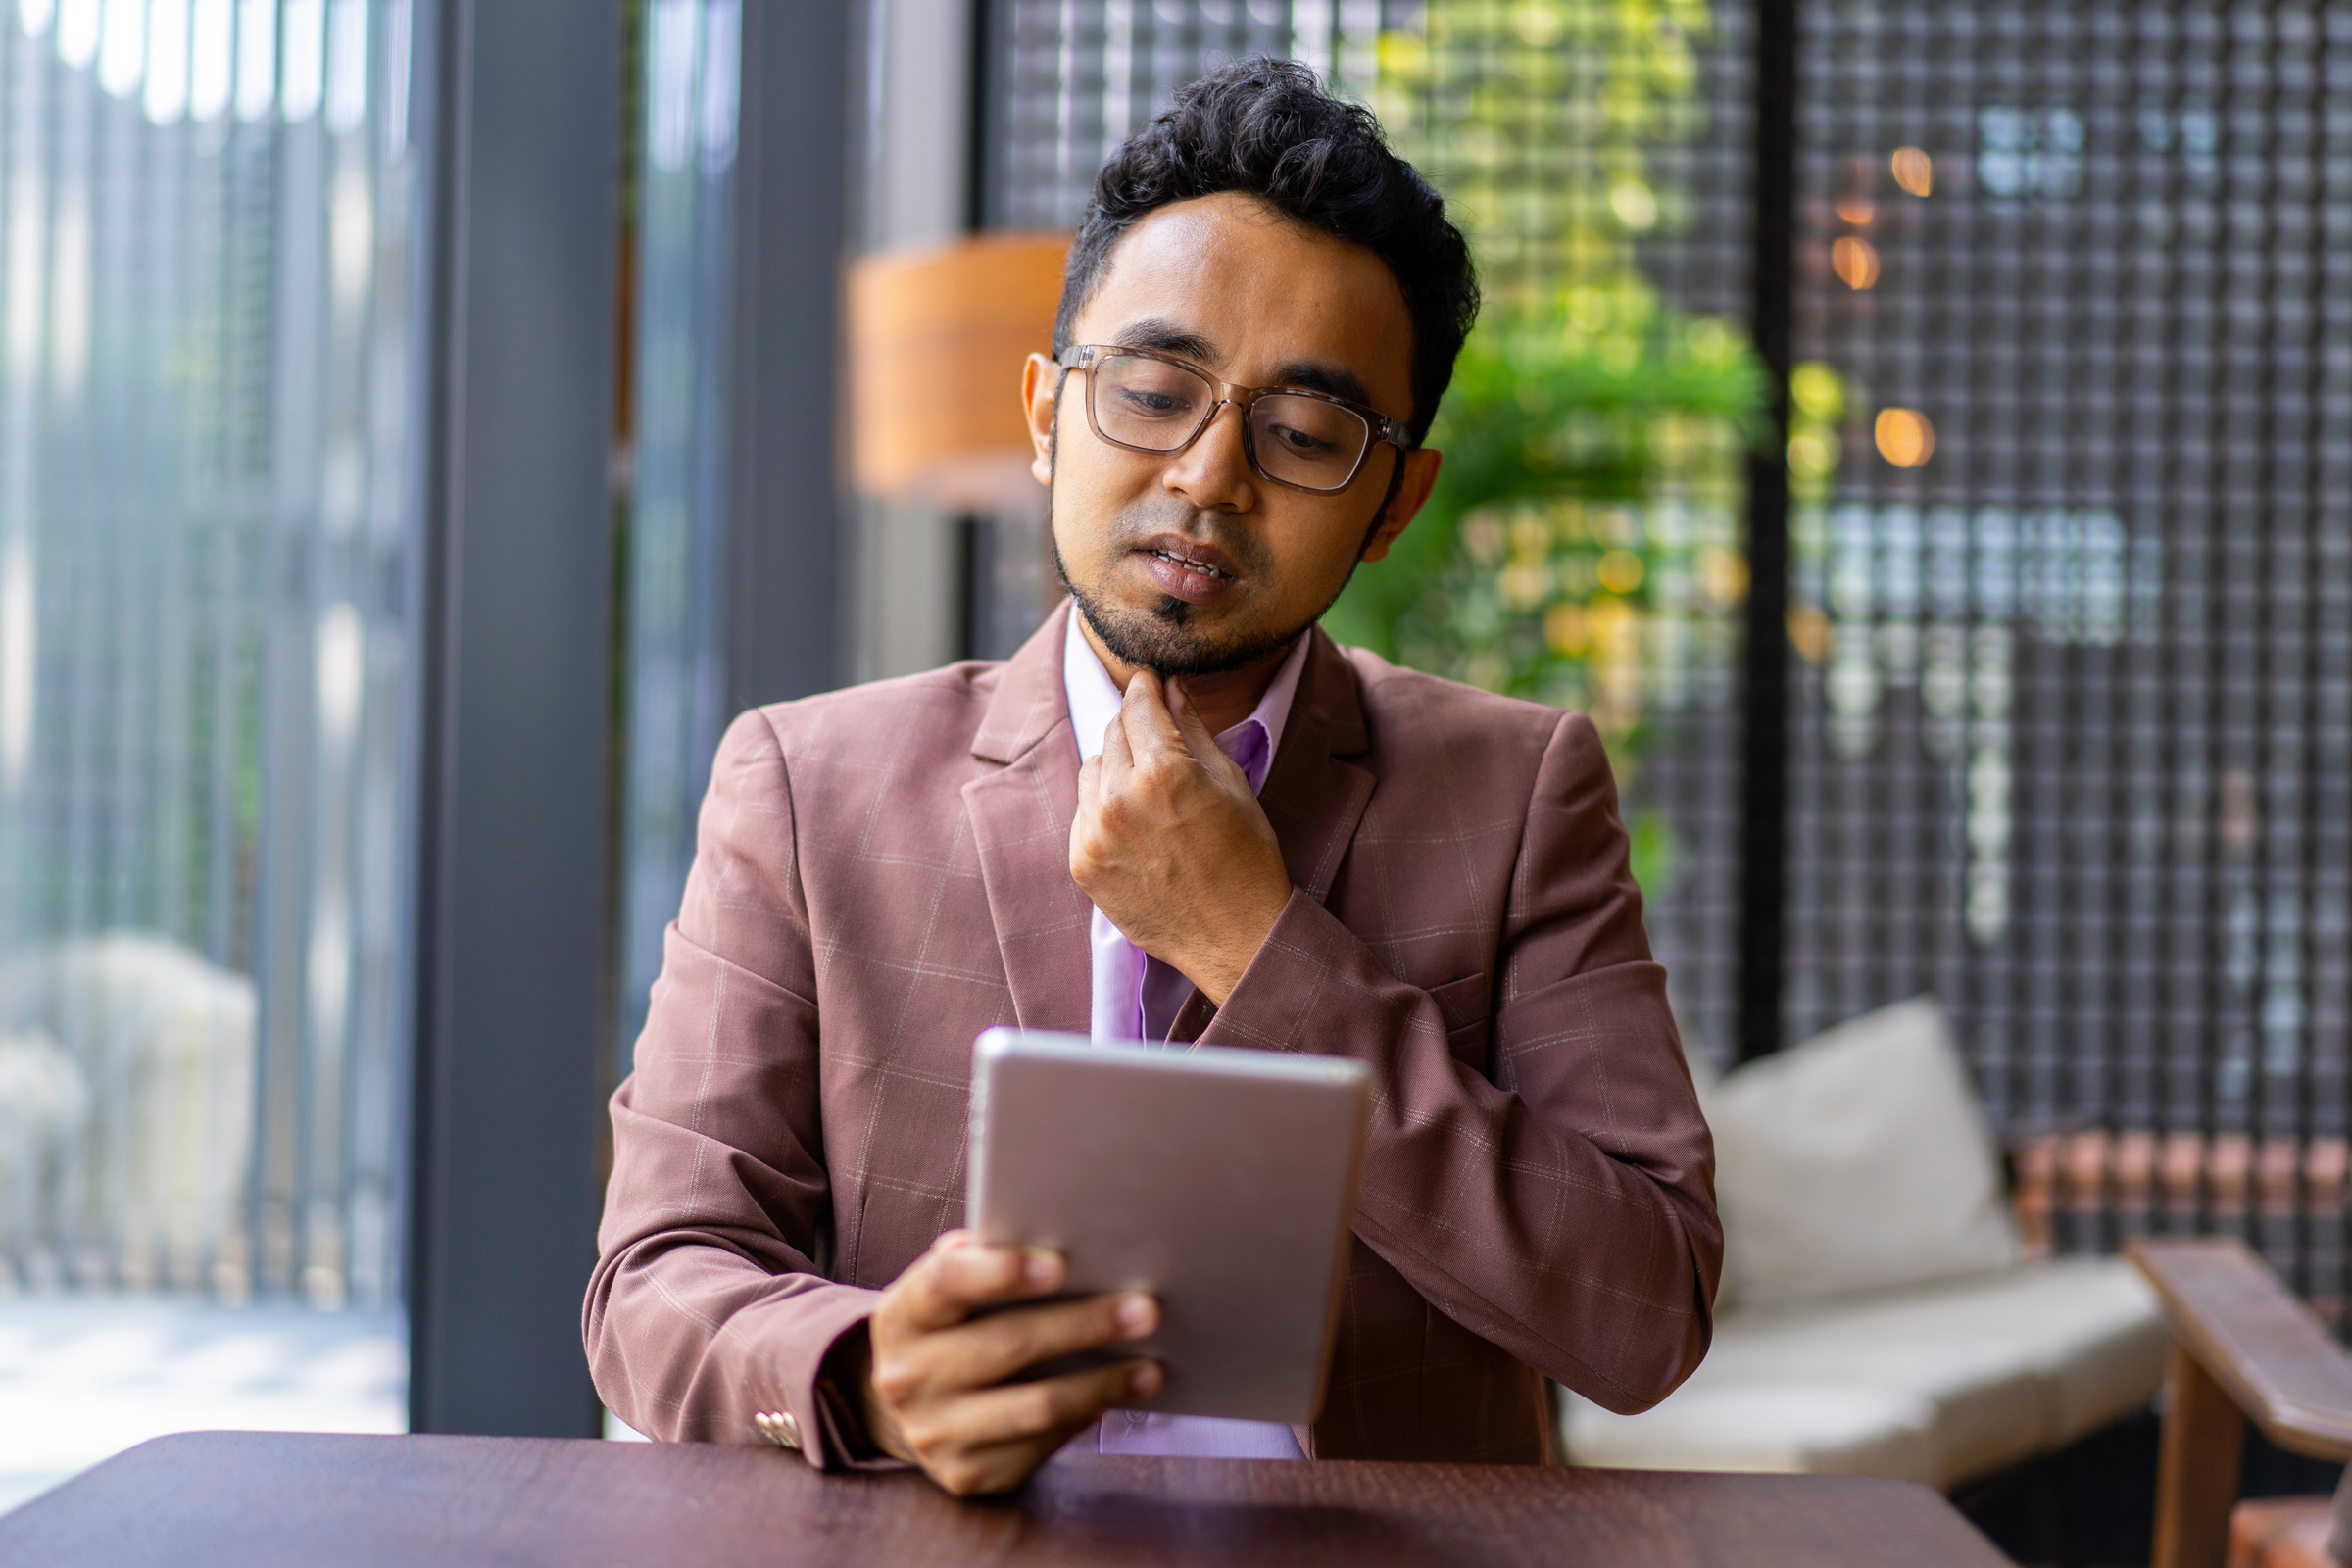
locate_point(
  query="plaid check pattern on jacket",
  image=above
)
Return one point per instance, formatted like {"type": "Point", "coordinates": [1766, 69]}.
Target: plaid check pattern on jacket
{"type": "Point", "coordinates": [883, 872]}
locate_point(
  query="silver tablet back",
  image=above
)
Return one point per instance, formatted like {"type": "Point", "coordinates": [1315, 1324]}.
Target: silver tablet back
{"type": "Point", "coordinates": [1220, 1181]}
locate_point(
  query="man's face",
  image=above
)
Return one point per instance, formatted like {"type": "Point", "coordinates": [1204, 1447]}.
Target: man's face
{"type": "Point", "coordinates": [1193, 562]}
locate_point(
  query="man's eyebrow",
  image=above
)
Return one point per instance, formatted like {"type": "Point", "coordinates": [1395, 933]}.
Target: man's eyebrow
{"type": "Point", "coordinates": [1160, 333]}
{"type": "Point", "coordinates": [1311, 375]}
{"type": "Point", "coordinates": [1321, 376]}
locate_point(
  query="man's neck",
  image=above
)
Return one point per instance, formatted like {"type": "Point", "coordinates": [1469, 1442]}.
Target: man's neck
{"type": "Point", "coordinates": [1222, 700]}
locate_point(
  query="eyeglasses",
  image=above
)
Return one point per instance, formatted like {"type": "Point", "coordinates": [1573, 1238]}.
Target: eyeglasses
{"type": "Point", "coordinates": [1149, 402]}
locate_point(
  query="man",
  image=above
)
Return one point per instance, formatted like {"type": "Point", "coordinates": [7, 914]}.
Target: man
{"type": "Point", "coordinates": [1179, 811]}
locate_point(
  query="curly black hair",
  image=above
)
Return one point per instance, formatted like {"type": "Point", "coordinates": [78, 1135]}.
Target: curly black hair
{"type": "Point", "coordinates": [1265, 127]}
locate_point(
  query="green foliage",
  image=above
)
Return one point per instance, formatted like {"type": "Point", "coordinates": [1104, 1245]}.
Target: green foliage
{"type": "Point", "coordinates": [1583, 522]}
{"type": "Point", "coordinates": [1544, 540]}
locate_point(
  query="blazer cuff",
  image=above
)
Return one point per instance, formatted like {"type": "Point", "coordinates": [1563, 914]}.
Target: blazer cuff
{"type": "Point", "coordinates": [1283, 1002]}
{"type": "Point", "coordinates": [781, 1347]}
{"type": "Point", "coordinates": [848, 1446]}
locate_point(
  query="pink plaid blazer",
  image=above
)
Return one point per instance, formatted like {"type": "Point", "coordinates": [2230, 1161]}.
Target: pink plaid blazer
{"type": "Point", "coordinates": [883, 872]}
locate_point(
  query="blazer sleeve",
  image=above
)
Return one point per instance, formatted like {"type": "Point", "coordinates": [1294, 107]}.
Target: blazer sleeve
{"type": "Point", "coordinates": [1565, 1209]}
{"type": "Point", "coordinates": [709, 1304]}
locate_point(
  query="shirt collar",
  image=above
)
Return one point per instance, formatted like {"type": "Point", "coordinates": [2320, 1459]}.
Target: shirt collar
{"type": "Point", "coordinates": [1094, 702]}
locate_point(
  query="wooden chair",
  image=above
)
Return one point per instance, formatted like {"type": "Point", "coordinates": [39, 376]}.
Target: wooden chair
{"type": "Point", "coordinates": [2243, 1348]}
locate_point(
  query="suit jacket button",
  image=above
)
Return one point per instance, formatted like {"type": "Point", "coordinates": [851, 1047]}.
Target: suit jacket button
{"type": "Point", "coordinates": [779, 1428]}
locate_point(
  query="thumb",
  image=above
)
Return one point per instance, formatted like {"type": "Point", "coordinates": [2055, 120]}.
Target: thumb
{"type": "Point", "coordinates": [1195, 730]}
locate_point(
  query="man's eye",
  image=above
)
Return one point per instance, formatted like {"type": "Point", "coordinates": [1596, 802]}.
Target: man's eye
{"type": "Point", "coordinates": [1153, 403]}
{"type": "Point", "coordinates": [1301, 442]}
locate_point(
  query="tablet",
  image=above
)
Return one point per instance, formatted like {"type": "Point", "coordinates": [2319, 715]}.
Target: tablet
{"type": "Point", "coordinates": [1220, 1181]}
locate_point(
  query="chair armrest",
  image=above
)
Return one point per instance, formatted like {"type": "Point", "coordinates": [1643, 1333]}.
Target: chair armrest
{"type": "Point", "coordinates": [2276, 1360]}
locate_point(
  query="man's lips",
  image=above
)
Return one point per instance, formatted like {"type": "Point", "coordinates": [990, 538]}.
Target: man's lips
{"type": "Point", "coordinates": [1186, 568]}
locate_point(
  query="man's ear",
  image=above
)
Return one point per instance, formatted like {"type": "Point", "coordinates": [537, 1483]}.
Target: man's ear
{"type": "Point", "coordinates": [1041, 389]}
{"type": "Point", "coordinates": [1418, 475]}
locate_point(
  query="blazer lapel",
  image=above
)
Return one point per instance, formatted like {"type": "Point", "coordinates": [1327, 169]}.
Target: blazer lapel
{"type": "Point", "coordinates": [1313, 797]}
{"type": "Point", "coordinates": [1020, 817]}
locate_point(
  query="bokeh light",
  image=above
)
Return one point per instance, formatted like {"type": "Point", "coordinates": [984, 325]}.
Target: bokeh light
{"type": "Point", "coordinates": [1634, 203]}
{"type": "Point", "coordinates": [1817, 390]}
{"type": "Point", "coordinates": [1855, 262]}
{"type": "Point", "coordinates": [1621, 571]}
{"type": "Point", "coordinates": [1813, 453]}
{"type": "Point", "coordinates": [1913, 171]}
{"type": "Point", "coordinates": [1905, 437]}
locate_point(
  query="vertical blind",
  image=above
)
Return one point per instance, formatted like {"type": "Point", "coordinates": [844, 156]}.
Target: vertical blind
{"type": "Point", "coordinates": [207, 565]}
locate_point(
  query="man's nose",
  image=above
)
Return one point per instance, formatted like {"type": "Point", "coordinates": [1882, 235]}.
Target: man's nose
{"type": "Point", "coordinates": [1213, 473]}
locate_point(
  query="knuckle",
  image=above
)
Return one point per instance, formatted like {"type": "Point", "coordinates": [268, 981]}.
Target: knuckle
{"type": "Point", "coordinates": [893, 1380]}
{"type": "Point", "coordinates": [1015, 1339]}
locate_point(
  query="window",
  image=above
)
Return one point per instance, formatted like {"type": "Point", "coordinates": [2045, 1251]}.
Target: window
{"type": "Point", "coordinates": [207, 572]}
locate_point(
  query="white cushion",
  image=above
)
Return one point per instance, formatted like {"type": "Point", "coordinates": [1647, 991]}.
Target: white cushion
{"type": "Point", "coordinates": [1859, 1160]}
{"type": "Point", "coordinates": [1800, 1429]}
{"type": "Point", "coordinates": [1939, 1384]}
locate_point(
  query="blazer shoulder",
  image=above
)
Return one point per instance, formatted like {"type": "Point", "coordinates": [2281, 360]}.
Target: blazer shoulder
{"type": "Point", "coordinates": [1415, 715]}
{"type": "Point", "coordinates": [894, 716]}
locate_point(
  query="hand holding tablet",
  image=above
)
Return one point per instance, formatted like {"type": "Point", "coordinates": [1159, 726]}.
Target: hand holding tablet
{"type": "Point", "coordinates": [1150, 1228]}
{"type": "Point", "coordinates": [1218, 1181]}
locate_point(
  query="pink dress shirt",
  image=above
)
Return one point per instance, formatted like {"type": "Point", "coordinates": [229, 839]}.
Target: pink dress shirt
{"type": "Point", "coordinates": [1136, 997]}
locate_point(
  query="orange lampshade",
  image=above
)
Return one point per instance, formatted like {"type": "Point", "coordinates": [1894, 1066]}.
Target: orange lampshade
{"type": "Point", "coordinates": [936, 339]}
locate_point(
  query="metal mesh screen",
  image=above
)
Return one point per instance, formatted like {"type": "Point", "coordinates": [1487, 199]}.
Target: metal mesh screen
{"type": "Point", "coordinates": [2072, 715]}
{"type": "Point", "coordinates": [208, 559]}
{"type": "Point", "coordinates": [1067, 83]}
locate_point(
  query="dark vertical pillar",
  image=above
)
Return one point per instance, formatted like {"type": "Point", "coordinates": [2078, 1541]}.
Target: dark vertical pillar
{"type": "Point", "coordinates": [1764, 762]}
{"type": "Point", "coordinates": [791, 171]}
{"type": "Point", "coordinates": [979, 137]}
{"type": "Point", "coordinates": [521, 111]}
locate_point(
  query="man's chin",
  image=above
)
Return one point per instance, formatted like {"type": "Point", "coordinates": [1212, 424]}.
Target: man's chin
{"type": "Point", "coordinates": [1167, 637]}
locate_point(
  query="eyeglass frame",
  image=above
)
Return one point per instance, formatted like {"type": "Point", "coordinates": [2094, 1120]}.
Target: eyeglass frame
{"type": "Point", "coordinates": [1081, 356]}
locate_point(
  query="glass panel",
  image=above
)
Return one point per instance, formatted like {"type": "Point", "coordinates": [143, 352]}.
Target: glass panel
{"type": "Point", "coordinates": [689, 73]}
{"type": "Point", "coordinates": [208, 557]}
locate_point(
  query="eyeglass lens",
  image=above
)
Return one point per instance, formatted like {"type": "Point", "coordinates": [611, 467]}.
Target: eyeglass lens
{"type": "Point", "coordinates": [1157, 405]}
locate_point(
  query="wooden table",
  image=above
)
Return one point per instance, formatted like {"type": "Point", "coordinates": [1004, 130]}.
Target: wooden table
{"type": "Point", "coordinates": [223, 1500]}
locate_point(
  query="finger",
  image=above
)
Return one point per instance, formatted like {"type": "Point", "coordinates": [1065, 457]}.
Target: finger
{"type": "Point", "coordinates": [1049, 1409]}
{"type": "Point", "coordinates": [1089, 785]}
{"type": "Point", "coordinates": [1144, 714]}
{"type": "Point", "coordinates": [1119, 756]}
{"type": "Point", "coordinates": [941, 1288]}
{"type": "Point", "coordinates": [1193, 729]}
{"type": "Point", "coordinates": [1194, 733]}
{"type": "Point", "coordinates": [985, 1472]}
{"type": "Point", "coordinates": [1003, 1345]}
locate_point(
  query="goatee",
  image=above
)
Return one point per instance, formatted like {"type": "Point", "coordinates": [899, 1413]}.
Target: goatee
{"type": "Point", "coordinates": [1163, 640]}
